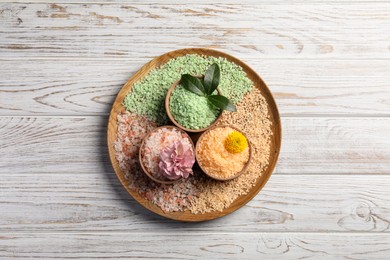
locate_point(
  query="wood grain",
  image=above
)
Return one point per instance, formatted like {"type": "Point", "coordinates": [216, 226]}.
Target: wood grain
{"type": "Point", "coordinates": [47, 144]}
{"type": "Point", "coordinates": [97, 202]}
{"type": "Point", "coordinates": [128, 31]}
{"type": "Point", "coordinates": [337, 145]}
{"type": "Point", "coordinates": [199, 246]}
{"type": "Point", "coordinates": [311, 145]}
{"type": "Point", "coordinates": [300, 87]}
{"type": "Point", "coordinates": [275, 137]}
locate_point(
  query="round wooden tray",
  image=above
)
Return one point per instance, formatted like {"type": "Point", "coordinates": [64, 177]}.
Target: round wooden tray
{"type": "Point", "coordinates": [275, 138]}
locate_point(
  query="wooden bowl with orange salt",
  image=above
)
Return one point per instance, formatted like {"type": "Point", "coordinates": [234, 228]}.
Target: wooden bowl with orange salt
{"type": "Point", "coordinates": [223, 152]}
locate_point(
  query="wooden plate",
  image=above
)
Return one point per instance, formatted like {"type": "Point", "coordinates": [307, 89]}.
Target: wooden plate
{"type": "Point", "coordinates": [275, 139]}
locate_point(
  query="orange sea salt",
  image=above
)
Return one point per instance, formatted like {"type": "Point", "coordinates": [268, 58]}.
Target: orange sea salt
{"type": "Point", "coordinates": [215, 159]}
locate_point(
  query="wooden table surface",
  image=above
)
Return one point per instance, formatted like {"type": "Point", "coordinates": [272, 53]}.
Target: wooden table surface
{"type": "Point", "coordinates": [326, 62]}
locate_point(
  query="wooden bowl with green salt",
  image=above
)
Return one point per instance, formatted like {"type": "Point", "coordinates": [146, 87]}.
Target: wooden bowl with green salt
{"type": "Point", "coordinates": [188, 111]}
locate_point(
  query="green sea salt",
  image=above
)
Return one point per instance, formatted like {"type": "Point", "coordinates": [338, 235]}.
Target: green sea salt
{"type": "Point", "coordinates": [190, 110]}
{"type": "Point", "coordinates": [147, 97]}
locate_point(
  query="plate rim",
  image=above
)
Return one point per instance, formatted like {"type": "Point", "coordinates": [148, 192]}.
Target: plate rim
{"type": "Point", "coordinates": [242, 200]}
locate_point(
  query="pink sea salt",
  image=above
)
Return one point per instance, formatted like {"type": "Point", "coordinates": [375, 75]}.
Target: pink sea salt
{"type": "Point", "coordinates": [132, 129]}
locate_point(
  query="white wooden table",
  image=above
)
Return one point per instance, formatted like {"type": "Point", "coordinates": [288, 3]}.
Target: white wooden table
{"type": "Point", "coordinates": [327, 64]}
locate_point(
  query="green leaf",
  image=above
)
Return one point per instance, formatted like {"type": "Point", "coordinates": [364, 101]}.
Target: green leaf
{"type": "Point", "coordinates": [222, 102]}
{"type": "Point", "coordinates": [192, 84]}
{"type": "Point", "coordinates": [211, 78]}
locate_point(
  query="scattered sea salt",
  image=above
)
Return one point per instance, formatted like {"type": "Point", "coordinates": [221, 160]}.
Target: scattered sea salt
{"type": "Point", "coordinates": [148, 95]}
{"type": "Point", "coordinates": [174, 197]}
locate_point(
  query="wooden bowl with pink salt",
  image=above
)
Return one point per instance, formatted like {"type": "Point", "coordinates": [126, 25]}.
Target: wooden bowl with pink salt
{"type": "Point", "coordinates": [223, 152]}
{"type": "Point", "coordinates": [167, 154]}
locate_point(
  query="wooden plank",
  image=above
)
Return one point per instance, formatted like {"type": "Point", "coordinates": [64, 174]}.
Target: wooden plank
{"type": "Point", "coordinates": [60, 145]}
{"type": "Point", "coordinates": [310, 145]}
{"type": "Point", "coordinates": [97, 202]}
{"type": "Point", "coordinates": [194, 246]}
{"type": "Point", "coordinates": [335, 145]}
{"type": "Point", "coordinates": [264, 31]}
{"type": "Point", "coordinates": [300, 87]}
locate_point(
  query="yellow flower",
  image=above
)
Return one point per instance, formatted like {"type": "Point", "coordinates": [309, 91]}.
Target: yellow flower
{"type": "Point", "coordinates": [235, 142]}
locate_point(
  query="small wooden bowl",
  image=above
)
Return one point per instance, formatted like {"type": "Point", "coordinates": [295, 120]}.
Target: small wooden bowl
{"type": "Point", "coordinates": [141, 153]}
{"type": "Point", "coordinates": [215, 177]}
{"type": "Point", "coordinates": [168, 110]}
